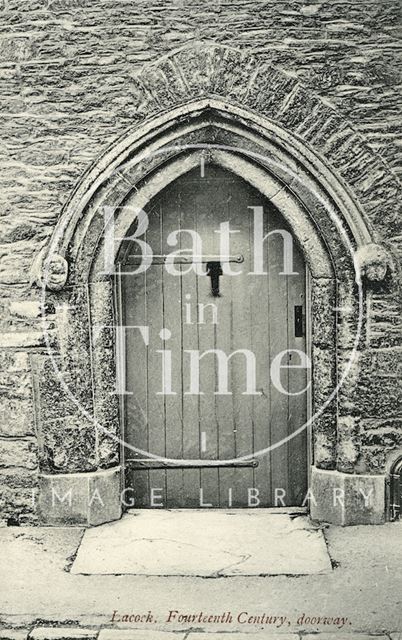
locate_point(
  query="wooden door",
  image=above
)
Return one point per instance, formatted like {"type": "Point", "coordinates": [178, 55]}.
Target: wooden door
{"type": "Point", "coordinates": [259, 313]}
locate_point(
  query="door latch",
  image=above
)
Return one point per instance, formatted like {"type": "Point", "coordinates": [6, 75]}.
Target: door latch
{"type": "Point", "coordinates": [214, 271]}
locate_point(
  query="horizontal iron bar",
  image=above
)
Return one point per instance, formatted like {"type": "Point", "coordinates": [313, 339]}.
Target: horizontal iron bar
{"type": "Point", "coordinates": [163, 259]}
{"type": "Point", "coordinates": [149, 463]}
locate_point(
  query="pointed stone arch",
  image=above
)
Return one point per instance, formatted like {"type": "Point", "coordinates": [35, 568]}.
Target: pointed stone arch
{"type": "Point", "coordinates": [234, 81]}
{"type": "Point", "coordinates": [212, 125]}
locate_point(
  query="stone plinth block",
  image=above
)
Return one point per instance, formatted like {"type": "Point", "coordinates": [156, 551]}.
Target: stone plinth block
{"type": "Point", "coordinates": [68, 444]}
{"type": "Point", "coordinates": [346, 499]}
{"type": "Point", "coordinates": [83, 499]}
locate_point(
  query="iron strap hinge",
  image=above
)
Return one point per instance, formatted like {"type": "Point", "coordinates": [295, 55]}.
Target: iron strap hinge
{"type": "Point", "coordinates": [151, 463]}
{"type": "Point", "coordinates": [190, 259]}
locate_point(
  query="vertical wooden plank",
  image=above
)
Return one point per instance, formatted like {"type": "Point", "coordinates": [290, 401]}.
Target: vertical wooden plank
{"type": "Point", "coordinates": [278, 342]}
{"type": "Point", "coordinates": [241, 331]}
{"type": "Point", "coordinates": [136, 403]}
{"type": "Point", "coordinates": [190, 406]}
{"type": "Point", "coordinates": [155, 320]}
{"type": "Point", "coordinates": [309, 398]}
{"type": "Point", "coordinates": [259, 319]}
{"type": "Point", "coordinates": [172, 321]}
{"type": "Point", "coordinates": [224, 403]}
{"type": "Point", "coordinates": [297, 406]}
{"type": "Point", "coordinates": [208, 212]}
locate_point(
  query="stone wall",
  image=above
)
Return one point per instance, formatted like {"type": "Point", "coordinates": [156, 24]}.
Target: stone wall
{"type": "Point", "coordinates": [72, 82]}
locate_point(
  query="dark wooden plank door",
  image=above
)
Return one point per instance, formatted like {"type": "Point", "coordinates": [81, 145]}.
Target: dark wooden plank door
{"type": "Point", "coordinates": [260, 313]}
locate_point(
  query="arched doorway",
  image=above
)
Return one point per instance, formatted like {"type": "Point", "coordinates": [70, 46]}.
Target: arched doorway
{"type": "Point", "coordinates": [219, 371]}
{"type": "Point", "coordinates": [319, 213]}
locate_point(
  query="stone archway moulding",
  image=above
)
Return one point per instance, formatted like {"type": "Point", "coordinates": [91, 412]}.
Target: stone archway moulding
{"type": "Point", "coordinates": [154, 134]}
{"type": "Point", "coordinates": [205, 72]}
{"type": "Point", "coordinates": [170, 129]}
{"type": "Point", "coordinates": [259, 140]}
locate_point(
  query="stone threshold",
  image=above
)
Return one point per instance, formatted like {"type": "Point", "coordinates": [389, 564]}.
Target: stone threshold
{"type": "Point", "coordinates": [209, 544]}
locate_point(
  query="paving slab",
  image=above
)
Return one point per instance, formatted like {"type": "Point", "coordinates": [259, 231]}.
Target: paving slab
{"type": "Point", "coordinates": [13, 634]}
{"type": "Point", "coordinates": [133, 634]}
{"type": "Point", "coordinates": [353, 635]}
{"type": "Point", "coordinates": [204, 543]}
{"type": "Point", "coordinates": [62, 633]}
{"type": "Point", "coordinates": [259, 635]}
